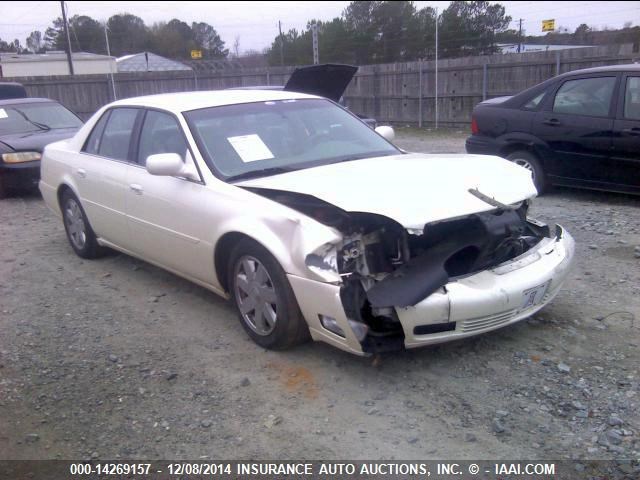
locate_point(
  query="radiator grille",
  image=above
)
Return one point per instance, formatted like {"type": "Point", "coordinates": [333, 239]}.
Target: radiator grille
{"type": "Point", "coordinates": [493, 320]}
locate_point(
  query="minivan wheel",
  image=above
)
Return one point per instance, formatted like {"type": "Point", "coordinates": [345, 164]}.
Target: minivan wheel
{"type": "Point", "coordinates": [265, 302]}
{"type": "Point", "coordinates": [529, 161]}
{"type": "Point", "coordinates": [79, 232]}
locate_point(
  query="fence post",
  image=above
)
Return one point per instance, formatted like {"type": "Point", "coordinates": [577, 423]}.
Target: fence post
{"type": "Point", "coordinates": [376, 100]}
{"type": "Point", "coordinates": [195, 80]}
{"type": "Point", "coordinates": [420, 93]}
{"type": "Point", "coordinates": [268, 78]}
{"type": "Point", "coordinates": [557, 62]}
{"type": "Point", "coordinates": [484, 81]}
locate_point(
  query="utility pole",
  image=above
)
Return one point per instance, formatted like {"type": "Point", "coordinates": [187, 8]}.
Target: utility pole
{"type": "Point", "coordinates": [113, 83]}
{"type": "Point", "coordinates": [436, 82]}
{"type": "Point", "coordinates": [520, 37]}
{"type": "Point", "coordinates": [281, 44]}
{"type": "Point", "coordinates": [66, 32]}
{"type": "Point", "coordinates": [314, 34]}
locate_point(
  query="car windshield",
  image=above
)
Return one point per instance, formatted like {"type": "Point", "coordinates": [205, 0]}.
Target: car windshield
{"type": "Point", "coordinates": [30, 117]}
{"type": "Point", "coordinates": [264, 138]}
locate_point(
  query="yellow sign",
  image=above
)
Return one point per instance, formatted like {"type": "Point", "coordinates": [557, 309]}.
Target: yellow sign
{"type": "Point", "coordinates": [549, 25]}
{"type": "Point", "coordinates": [196, 54]}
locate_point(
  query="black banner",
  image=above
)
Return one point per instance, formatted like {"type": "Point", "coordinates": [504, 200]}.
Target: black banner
{"type": "Point", "coordinates": [220, 469]}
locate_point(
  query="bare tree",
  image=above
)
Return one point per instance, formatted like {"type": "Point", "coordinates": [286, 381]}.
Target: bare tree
{"type": "Point", "coordinates": [35, 42]}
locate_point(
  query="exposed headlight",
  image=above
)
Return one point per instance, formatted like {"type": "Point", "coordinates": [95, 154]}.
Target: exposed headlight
{"type": "Point", "coordinates": [324, 263]}
{"type": "Point", "coordinates": [19, 157]}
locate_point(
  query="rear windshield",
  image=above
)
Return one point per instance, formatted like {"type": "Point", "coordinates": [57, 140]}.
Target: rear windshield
{"type": "Point", "coordinates": [32, 117]}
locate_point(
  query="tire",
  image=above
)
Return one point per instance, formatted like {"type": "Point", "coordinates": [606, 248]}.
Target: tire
{"type": "Point", "coordinates": [79, 232]}
{"type": "Point", "coordinates": [255, 277]}
{"type": "Point", "coordinates": [529, 161]}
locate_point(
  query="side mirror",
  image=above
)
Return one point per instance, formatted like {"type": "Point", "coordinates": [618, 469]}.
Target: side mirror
{"type": "Point", "coordinates": [387, 132]}
{"type": "Point", "coordinates": [170, 165]}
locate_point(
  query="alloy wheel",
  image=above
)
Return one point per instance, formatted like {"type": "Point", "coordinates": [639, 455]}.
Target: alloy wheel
{"type": "Point", "coordinates": [525, 163]}
{"type": "Point", "coordinates": [255, 295]}
{"type": "Point", "coordinates": [74, 221]}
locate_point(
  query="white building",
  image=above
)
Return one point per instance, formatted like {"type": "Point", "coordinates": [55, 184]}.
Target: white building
{"type": "Point", "coordinates": [54, 63]}
{"type": "Point", "coordinates": [148, 62]}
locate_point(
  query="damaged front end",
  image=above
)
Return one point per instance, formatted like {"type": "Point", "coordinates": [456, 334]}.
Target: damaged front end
{"type": "Point", "coordinates": [385, 270]}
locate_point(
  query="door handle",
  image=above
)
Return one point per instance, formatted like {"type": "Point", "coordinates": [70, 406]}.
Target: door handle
{"type": "Point", "coordinates": [136, 188]}
{"type": "Point", "coordinates": [551, 121]}
{"type": "Point", "coordinates": [81, 172]}
{"type": "Point", "coordinates": [635, 131]}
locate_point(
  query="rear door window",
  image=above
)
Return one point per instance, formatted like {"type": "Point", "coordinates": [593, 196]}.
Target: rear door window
{"type": "Point", "coordinates": [117, 134]}
{"type": "Point", "coordinates": [535, 101]}
{"type": "Point", "coordinates": [92, 144]}
{"type": "Point", "coordinates": [632, 99]}
{"type": "Point", "coordinates": [585, 96]}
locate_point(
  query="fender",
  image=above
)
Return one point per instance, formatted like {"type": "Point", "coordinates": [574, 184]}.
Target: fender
{"type": "Point", "coordinates": [296, 238]}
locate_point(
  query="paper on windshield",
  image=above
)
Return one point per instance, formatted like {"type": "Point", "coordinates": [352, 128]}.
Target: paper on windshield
{"type": "Point", "coordinates": [250, 148]}
{"type": "Point", "coordinates": [3, 114]}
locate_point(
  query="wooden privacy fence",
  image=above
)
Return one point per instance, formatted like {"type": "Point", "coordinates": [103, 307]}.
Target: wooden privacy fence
{"type": "Point", "coordinates": [396, 93]}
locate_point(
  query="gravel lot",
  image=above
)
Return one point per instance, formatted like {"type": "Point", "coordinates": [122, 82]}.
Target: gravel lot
{"type": "Point", "coordinates": [115, 358]}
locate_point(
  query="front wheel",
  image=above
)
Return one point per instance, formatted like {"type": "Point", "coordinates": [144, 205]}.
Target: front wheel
{"type": "Point", "coordinates": [529, 161]}
{"type": "Point", "coordinates": [79, 232]}
{"type": "Point", "coordinates": [264, 299]}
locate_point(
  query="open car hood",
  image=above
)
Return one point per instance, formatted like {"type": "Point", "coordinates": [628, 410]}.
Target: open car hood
{"type": "Point", "coordinates": [328, 80]}
{"type": "Point", "coordinates": [412, 189]}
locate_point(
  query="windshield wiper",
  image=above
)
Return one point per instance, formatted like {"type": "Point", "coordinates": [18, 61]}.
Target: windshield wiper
{"type": "Point", "coordinates": [41, 126]}
{"type": "Point", "coordinates": [265, 172]}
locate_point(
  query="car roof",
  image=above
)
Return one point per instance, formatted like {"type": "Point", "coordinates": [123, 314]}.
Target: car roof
{"type": "Point", "coordinates": [16, 101]}
{"type": "Point", "coordinates": [186, 101]}
{"type": "Point", "coordinates": [630, 67]}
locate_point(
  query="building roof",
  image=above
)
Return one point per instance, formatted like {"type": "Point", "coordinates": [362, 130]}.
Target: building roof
{"type": "Point", "coordinates": [148, 62]}
{"type": "Point", "coordinates": [535, 47]}
{"type": "Point", "coordinates": [51, 56]}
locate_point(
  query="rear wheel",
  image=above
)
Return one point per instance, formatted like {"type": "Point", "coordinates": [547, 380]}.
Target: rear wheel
{"type": "Point", "coordinates": [79, 232]}
{"type": "Point", "coordinates": [264, 299]}
{"type": "Point", "coordinates": [529, 161]}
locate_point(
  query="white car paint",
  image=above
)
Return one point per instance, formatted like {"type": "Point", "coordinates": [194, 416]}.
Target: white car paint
{"type": "Point", "coordinates": [411, 189]}
{"type": "Point", "coordinates": [177, 223]}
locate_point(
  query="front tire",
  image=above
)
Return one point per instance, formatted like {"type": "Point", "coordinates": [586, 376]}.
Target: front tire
{"type": "Point", "coordinates": [79, 232]}
{"type": "Point", "coordinates": [265, 302]}
{"type": "Point", "coordinates": [529, 161]}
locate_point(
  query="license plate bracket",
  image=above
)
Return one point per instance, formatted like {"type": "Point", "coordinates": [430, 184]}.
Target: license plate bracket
{"type": "Point", "coordinates": [533, 296]}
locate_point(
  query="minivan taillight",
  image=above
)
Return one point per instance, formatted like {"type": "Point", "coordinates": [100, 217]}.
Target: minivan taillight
{"type": "Point", "coordinates": [474, 126]}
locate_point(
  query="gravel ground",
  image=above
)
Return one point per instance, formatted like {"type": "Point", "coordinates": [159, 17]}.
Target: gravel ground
{"type": "Point", "coordinates": [115, 358]}
{"type": "Point", "coordinates": [431, 141]}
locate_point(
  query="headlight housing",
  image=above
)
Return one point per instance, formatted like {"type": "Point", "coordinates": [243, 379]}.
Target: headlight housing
{"type": "Point", "coordinates": [20, 157]}
{"type": "Point", "coordinates": [324, 263]}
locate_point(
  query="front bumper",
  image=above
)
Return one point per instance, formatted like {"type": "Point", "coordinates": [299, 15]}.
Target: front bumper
{"type": "Point", "coordinates": [467, 306]}
{"type": "Point", "coordinates": [20, 175]}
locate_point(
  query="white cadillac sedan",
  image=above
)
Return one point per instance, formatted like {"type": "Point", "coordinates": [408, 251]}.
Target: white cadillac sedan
{"type": "Point", "coordinates": [311, 222]}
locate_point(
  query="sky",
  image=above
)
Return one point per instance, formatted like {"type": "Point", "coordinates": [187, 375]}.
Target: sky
{"type": "Point", "coordinates": [256, 23]}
